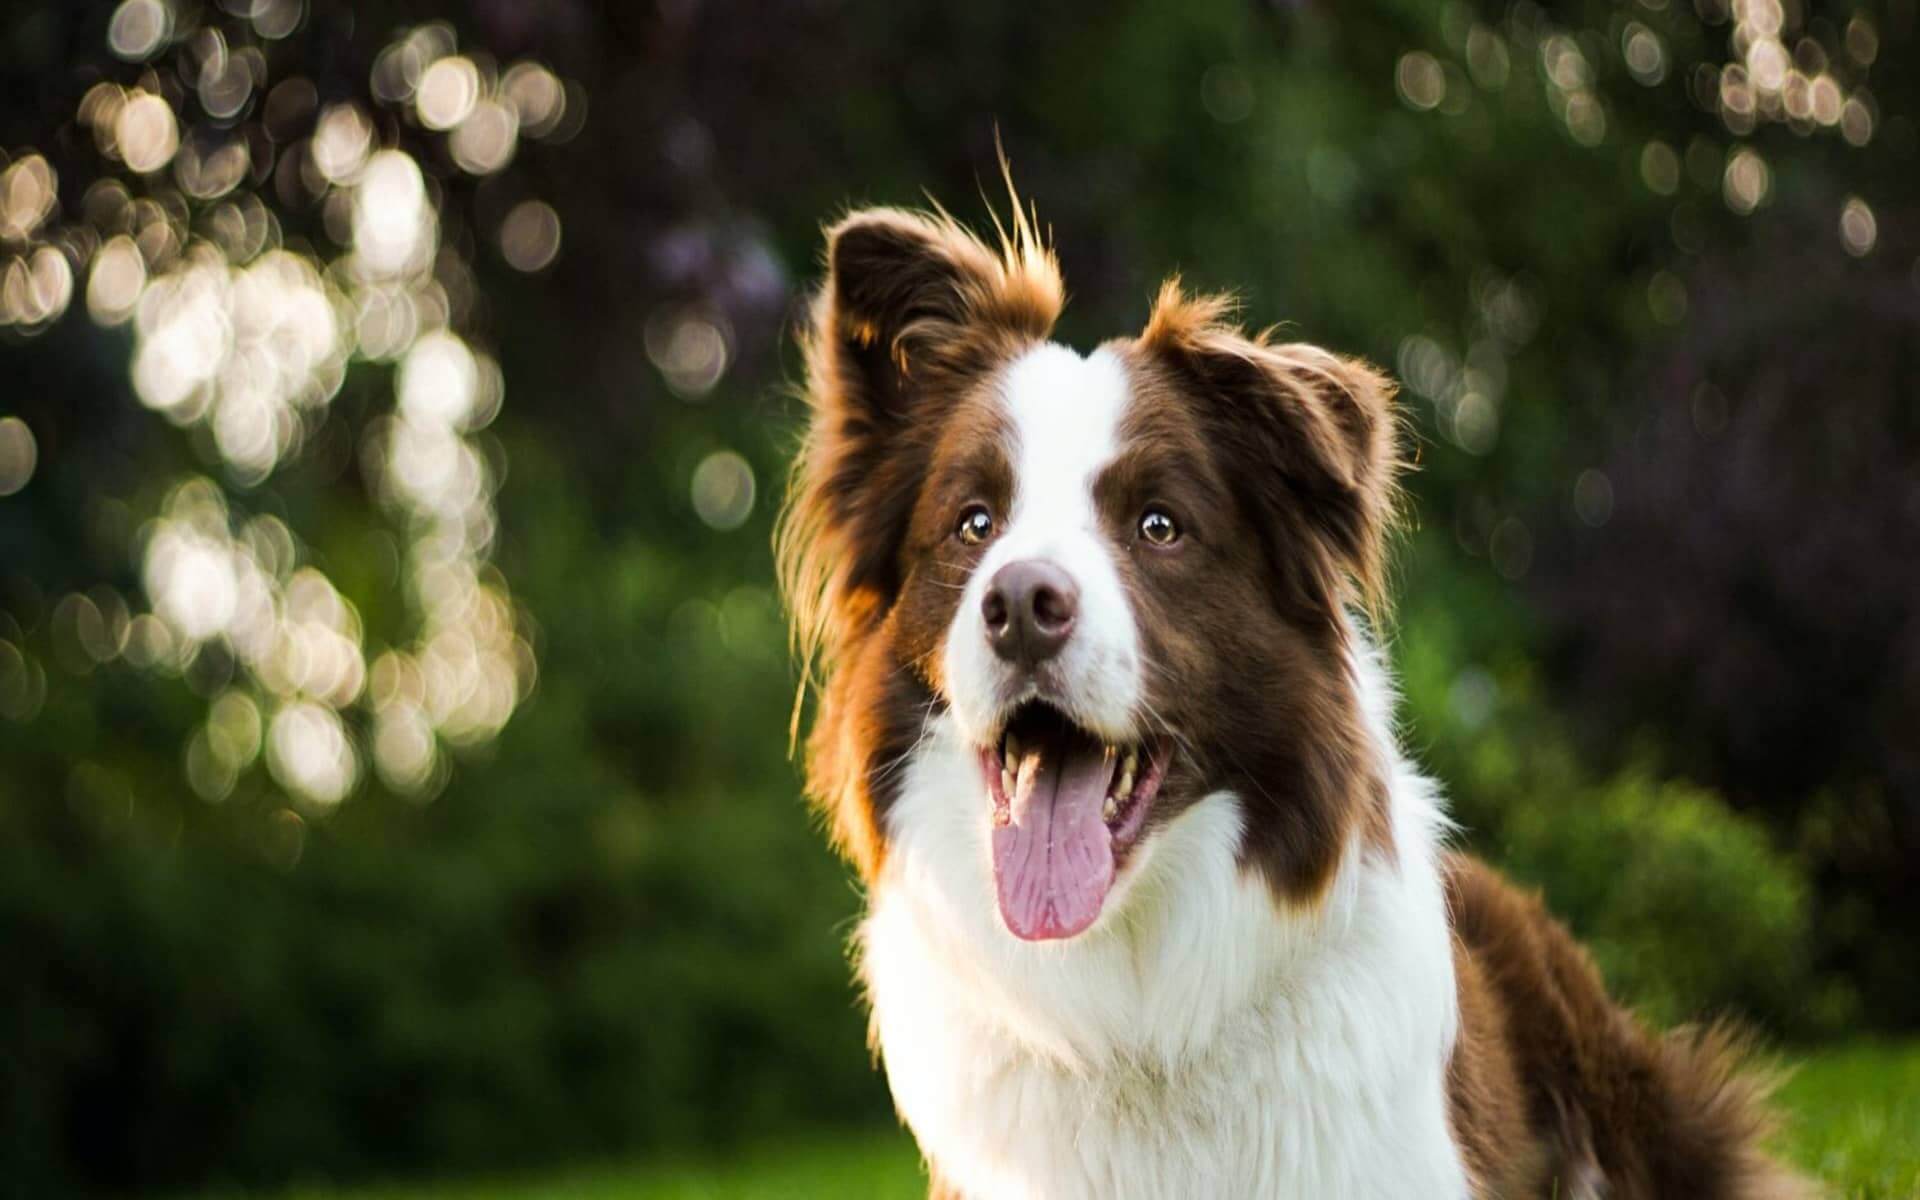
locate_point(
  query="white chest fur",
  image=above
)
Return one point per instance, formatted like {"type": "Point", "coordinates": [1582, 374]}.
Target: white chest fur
{"type": "Point", "coordinates": [1197, 1041]}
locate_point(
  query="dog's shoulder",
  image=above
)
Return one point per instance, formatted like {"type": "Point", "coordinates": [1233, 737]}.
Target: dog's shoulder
{"type": "Point", "coordinates": [1555, 1086]}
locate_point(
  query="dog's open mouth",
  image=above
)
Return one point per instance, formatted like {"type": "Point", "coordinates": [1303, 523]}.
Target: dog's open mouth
{"type": "Point", "coordinates": [1066, 808]}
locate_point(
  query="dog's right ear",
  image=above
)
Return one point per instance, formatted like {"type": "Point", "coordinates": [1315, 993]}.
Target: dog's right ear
{"type": "Point", "coordinates": [913, 302]}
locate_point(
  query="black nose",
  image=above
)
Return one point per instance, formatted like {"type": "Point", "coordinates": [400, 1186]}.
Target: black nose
{"type": "Point", "coordinates": [1029, 607]}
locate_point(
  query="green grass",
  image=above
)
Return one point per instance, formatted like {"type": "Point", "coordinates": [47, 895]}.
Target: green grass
{"type": "Point", "coordinates": [1855, 1122]}
{"type": "Point", "coordinates": [870, 1166]}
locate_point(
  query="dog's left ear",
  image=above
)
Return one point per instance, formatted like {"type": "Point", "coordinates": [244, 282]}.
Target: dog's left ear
{"type": "Point", "coordinates": [1313, 440]}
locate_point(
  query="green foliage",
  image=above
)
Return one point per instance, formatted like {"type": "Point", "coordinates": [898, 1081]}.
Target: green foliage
{"type": "Point", "coordinates": [617, 928]}
{"type": "Point", "coordinates": [1689, 909]}
{"type": "Point", "coordinates": [568, 975]}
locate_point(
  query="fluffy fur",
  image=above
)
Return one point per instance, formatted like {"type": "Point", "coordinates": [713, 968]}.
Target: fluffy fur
{"type": "Point", "coordinates": [1293, 988]}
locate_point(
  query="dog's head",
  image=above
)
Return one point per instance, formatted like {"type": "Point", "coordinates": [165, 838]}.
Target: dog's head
{"type": "Point", "coordinates": [1123, 578]}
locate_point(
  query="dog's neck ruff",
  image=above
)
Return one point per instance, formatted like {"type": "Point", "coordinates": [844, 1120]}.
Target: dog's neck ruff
{"type": "Point", "coordinates": [1201, 1039]}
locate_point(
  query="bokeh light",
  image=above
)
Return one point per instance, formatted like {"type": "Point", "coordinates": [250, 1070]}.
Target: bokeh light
{"type": "Point", "coordinates": [245, 337]}
{"type": "Point", "coordinates": [1660, 168]}
{"type": "Point", "coordinates": [118, 279]}
{"type": "Point", "coordinates": [723, 488]}
{"type": "Point", "coordinates": [1593, 497]}
{"type": "Point", "coordinates": [393, 223]}
{"type": "Point", "coordinates": [486, 139]}
{"type": "Point", "coordinates": [256, 351]}
{"type": "Point", "coordinates": [537, 96]}
{"type": "Point", "coordinates": [1476, 423]}
{"type": "Point", "coordinates": [18, 454]}
{"type": "Point", "coordinates": [1421, 82]}
{"type": "Point", "coordinates": [1487, 58]}
{"type": "Point", "coordinates": [23, 683]}
{"type": "Point", "coordinates": [145, 132]}
{"type": "Point", "coordinates": [1858, 229]}
{"type": "Point", "coordinates": [1645, 53]}
{"type": "Point", "coordinates": [309, 754]}
{"type": "Point", "coordinates": [1667, 298]}
{"type": "Point", "coordinates": [1777, 75]}
{"type": "Point", "coordinates": [225, 82]}
{"type": "Point", "coordinates": [138, 28]}
{"type": "Point", "coordinates": [1511, 548]}
{"type": "Point", "coordinates": [341, 142]}
{"type": "Point", "coordinates": [1748, 181]}
{"type": "Point", "coordinates": [1782, 65]}
{"type": "Point", "coordinates": [447, 93]}
{"type": "Point", "coordinates": [1226, 93]}
{"type": "Point", "coordinates": [28, 190]}
{"type": "Point", "coordinates": [690, 348]}
{"type": "Point", "coordinates": [530, 236]}
{"type": "Point", "coordinates": [36, 289]}
{"type": "Point", "coordinates": [1570, 81]}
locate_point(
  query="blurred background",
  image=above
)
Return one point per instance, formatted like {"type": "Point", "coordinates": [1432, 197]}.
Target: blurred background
{"type": "Point", "coordinates": [395, 400]}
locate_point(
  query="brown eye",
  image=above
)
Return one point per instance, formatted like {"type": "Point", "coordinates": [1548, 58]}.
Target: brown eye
{"type": "Point", "coordinates": [1157, 526]}
{"type": "Point", "coordinates": [976, 524]}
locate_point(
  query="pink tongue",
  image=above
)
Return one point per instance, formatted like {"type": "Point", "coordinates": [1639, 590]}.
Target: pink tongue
{"type": "Point", "coordinates": [1054, 862]}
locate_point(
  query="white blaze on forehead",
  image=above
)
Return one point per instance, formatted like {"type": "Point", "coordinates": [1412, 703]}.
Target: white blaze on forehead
{"type": "Point", "coordinates": [1064, 413]}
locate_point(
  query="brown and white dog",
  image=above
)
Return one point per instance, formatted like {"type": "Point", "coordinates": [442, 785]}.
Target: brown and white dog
{"type": "Point", "coordinates": [1157, 907]}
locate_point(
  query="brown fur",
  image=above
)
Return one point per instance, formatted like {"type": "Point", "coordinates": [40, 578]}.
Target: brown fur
{"type": "Point", "coordinates": [914, 313]}
{"type": "Point", "coordinates": [1281, 463]}
{"type": "Point", "coordinates": [1557, 1091]}
{"type": "Point", "coordinates": [1244, 620]}
{"type": "Point", "coordinates": [1327, 423]}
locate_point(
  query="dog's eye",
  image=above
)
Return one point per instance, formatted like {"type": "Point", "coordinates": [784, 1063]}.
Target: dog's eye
{"type": "Point", "coordinates": [1157, 526]}
{"type": "Point", "coordinates": [976, 524]}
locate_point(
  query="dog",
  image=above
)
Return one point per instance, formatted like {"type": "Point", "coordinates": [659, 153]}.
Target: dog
{"type": "Point", "coordinates": [1155, 904]}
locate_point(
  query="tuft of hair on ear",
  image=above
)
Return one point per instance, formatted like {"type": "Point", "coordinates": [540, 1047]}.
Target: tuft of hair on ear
{"type": "Point", "coordinates": [901, 282]}
{"type": "Point", "coordinates": [913, 304]}
{"type": "Point", "coordinates": [1181, 319]}
{"type": "Point", "coordinates": [1328, 421]}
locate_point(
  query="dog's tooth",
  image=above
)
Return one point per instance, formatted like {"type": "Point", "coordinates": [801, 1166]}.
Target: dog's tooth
{"type": "Point", "coordinates": [1110, 809]}
{"type": "Point", "coordinates": [1012, 753]}
{"type": "Point", "coordinates": [1006, 783]}
{"type": "Point", "coordinates": [1133, 758]}
{"type": "Point", "coordinates": [1125, 787]}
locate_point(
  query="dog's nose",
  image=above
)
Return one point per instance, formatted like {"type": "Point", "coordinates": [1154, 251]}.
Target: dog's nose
{"type": "Point", "coordinates": [1029, 608]}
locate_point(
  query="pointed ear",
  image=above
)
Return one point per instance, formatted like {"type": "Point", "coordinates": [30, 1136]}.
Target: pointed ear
{"type": "Point", "coordinates": [1313, 438]}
